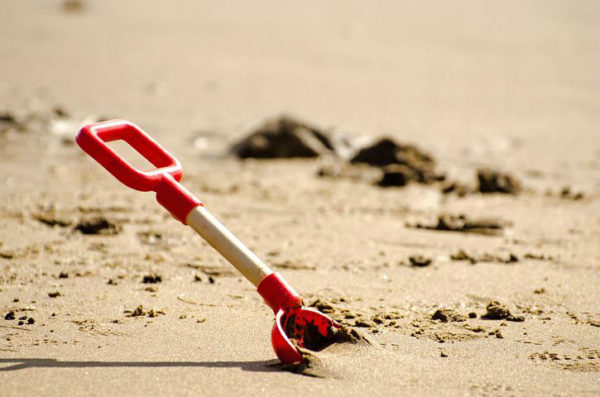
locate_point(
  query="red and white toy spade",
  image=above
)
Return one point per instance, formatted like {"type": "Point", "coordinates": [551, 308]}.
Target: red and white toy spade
{"type": "Point", "coordinates": [295, 325]}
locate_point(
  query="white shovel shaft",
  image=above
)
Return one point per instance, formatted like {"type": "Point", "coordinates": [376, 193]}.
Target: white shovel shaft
{"type": "Point", "coordinates": [221, 239]}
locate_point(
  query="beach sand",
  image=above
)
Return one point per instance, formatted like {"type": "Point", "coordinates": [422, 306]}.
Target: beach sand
{"type": "Point", "coordinates": [513, 86]}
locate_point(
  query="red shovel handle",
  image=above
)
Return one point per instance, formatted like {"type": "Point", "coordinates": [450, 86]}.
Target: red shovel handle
{"type": "Point", "coordinates": [163, 180]}
{"type": "Point", "coordinates": [92, 139]}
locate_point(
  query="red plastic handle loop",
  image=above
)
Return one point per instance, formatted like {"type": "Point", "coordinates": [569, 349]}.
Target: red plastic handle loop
{"type": "Point", "coordinates": [164, 180]}
{"type": "Point", "coordinates": [92, 139]}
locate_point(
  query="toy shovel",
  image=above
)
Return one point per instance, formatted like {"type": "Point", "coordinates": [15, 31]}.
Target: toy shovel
{"type": "Point", "coordinates": [295, 326]}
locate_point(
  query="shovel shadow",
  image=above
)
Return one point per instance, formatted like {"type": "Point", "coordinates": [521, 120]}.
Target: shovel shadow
{"type": "Point", "coordinates": [15, 364]}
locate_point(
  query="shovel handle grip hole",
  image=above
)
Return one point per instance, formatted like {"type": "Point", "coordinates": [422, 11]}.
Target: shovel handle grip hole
{"type": "Point", "coordinates": [94, 139]}
{"type": "Point", "coordinates": [134, 157]}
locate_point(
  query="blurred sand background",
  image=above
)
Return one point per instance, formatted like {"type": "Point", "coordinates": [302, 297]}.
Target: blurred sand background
{"type": "Point", "coordinates": [512, 85]}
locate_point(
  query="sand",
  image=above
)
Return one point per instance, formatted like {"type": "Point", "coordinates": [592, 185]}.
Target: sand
{"type": "Point", "coordinates": [511, 87]}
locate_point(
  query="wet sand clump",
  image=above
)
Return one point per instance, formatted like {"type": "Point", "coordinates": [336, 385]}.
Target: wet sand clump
{"type": "Point", "coordinates": [464, 224]}
{"type": "Point", "coordinates": [140, 311]}
{"type": "Point", "coordinates": [401, 163]}
{"type": "Point", "coordinates": [97, 225]}
{"type": "Point", "coordinates": [497, 311]}
{"type": "Point", "coordinates": [152, 279]}
{"type": "Point", "coordinates": [284, 137]}
{"type": "Point", "coordinates": [420, 261]}
{"type": "Point", "coordinates": [567, 194]}
{"type": "Point", "coordinates": [494, 181]}
{"type": "Point", "coordinates": [398, 175]}
{"type": "Point", "coordinates": [462, 255]}
{"type": "Point", "coordinates": [322, 306]}
{"type": "Point", "coordinates": [448, 315]}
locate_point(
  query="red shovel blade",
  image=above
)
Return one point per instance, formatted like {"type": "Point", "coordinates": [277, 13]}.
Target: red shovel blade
{"type": "Point", "coordinates": [301, 327]}
{"type": "Point", "coordinates": [295, 325]}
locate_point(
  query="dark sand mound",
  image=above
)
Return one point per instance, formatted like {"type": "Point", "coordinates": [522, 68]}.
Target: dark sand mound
{"type": "Point", "coordinates": [401, 163]}
{"type": "Point", "coordinates": [284, 137]}
{"type": "Point", "coordinates": [494, 181]}
{"type": "Point", "coordinates": [497, 311]}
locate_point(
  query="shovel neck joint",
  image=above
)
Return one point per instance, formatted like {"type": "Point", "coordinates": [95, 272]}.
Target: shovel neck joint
{"type": "Point", "coordinates": [278, 294]}
{"type": "Point", "coordinates": [175, 198]}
